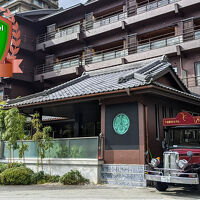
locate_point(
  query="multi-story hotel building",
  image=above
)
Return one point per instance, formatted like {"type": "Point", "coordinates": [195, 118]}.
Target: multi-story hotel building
{"type": "Point", "coordinates": [113, 84]}
{"type": "Point", "coordinates": [60, 45]}
{"type": "Point", "coordinates": [17, 6]}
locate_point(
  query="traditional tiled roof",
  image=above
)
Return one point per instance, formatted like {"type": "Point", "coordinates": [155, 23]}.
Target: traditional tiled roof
{"type": "Point", "coordinates": [100, 81]}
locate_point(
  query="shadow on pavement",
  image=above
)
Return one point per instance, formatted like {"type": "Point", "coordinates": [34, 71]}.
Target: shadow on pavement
{"type": "Point", "coordinates": [185, 192]}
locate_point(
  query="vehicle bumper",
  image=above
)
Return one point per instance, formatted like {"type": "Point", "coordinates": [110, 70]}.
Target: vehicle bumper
{"type": "Point", "coordinates": [172, 179]}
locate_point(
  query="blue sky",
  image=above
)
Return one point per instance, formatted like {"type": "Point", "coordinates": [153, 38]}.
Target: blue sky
{"type": "Point", "coordinates": [68, 3]}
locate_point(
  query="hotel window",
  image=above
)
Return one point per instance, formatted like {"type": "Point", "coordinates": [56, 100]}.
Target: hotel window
{"type": "Point", "coordinates": [197, 73]}
{"type": "Point", "coordinates": [157, 118]}
{"type": "Point", "coordinates": [185, 77]}
{"type": "Point", "coordinates": [175, 69]}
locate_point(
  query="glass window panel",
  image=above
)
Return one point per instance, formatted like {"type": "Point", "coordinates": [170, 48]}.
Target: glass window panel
{"type": "Point", "coordinates": [114, 19]}
{"type": "Point", "coordinates": [141, 9]}
{"type": "Point", "coordinates": [185, 80]}
{"type": "Point", "coordinates": [175, 69]}
{"type": "Point", "coordinates": [142, 48]}
{"type": "Point", "coordinates": [109, 55]}
{"type": "Point", "coordinates": [75, 62]}
{"type": "Point", "coordinates": [57, 67]}
{"type": "Point", "coordinates": [97, 58]}
{"type": "Point", "coordinates": [197, 73]}
{"type": "Point", "coordinates": [197, 35]}
{"type": "Point", "coordinates": [151, 6]}
{"type": "Point", "coordinates": [122, 16]}
{"type": "Point", "coordinates": [158, 44]}
{"type": "Point", "coordinates": [66, 64]}
{"type": "Point", "coordinates": [62, 148]}
{"type": "Point", "coordinates": [173, 41]}
{"type": "Point", "coordinates": [97, 24]}
{"type": "Point", "coordinates": [163, 3]}
{"type": "Point", "coordinates": [120, 53]}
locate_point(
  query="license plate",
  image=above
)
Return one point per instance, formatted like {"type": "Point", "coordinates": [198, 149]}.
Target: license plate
{"type": "Point", "coordinates": [165, 179]}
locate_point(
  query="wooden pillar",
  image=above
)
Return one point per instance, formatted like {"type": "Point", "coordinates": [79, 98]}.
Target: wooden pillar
{"type": "Point", "coordinates": [77, 125]}
{"type": "Point", "coordinates": [51, 30]}
{"type": "Point", "coordinates": [131, 43]}
{"type": "Point", "coordinates": [131, 7]}
{"type": "Point", "coordinates": [141, 116]}
{"type": "Point", "coordinates": [88, 55]}
{"type": "Point", "coordinates": [89, 21]}
{"type": "Point", "coordinates": [186, 28]}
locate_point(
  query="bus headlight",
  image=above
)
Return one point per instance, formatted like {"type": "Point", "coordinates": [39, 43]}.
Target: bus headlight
{"type": "Point", "coordinates": [183, 163]}
{"type": "Point", "coordinates": [155, 162]}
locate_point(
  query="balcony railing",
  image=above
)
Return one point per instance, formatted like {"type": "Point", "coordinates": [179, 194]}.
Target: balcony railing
{"type": "Point", "coordinates": [141, 7]}
{"type": "Point", "coordinates": [59, 33]}
{"type": "Point", "coordinates": [192, 81]}
{"type": "Point", "coordinates": [142, 46]}
{"type": "Point", "coordinates": [146, 6]}
{"type": "Point", "coordinates": [57, 66]}
{"type": "Point", "coordinates": [62, 148]}
{"type": "Point", "coordinates": [105, 20]}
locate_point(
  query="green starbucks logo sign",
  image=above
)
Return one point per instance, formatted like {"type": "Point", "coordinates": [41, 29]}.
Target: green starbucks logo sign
{"type": "Point", "coordinates": [121, 124]}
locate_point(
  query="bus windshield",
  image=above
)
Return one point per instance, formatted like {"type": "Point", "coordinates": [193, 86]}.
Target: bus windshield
{"type": "Point", "coordinates": [187, 138]}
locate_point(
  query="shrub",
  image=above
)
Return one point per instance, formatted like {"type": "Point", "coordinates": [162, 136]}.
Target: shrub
{"type": "Point", "coordinates": [42, 178]}
{"type": "Point", "coordinates": [73, 178]}
{"type": "Point", "coordinates": [4, 166]}
{"type": "Point", "coordinates": [16, 176]}
{"type": "Point", "coordinates": [52, 178]}
{"type": "Point", "coordinates": [37, 177]}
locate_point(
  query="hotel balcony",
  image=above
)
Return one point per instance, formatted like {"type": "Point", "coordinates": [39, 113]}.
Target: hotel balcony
{"type": "Point", "coordinates": [61, 35]}
{"type": "Point", "coordinates": [63, 67]}
{"type": "Point", "coordinates": [148, 48]}
{"type": "Point", "coordinates": [143, 11]}
{"type": "Point", "coordinates": [193, 83]}
{"type": "Point", "coordinates": [38, 4]}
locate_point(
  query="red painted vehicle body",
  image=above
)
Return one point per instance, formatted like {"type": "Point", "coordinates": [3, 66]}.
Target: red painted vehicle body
{"type": "Point", "coordinates": [183, 155]}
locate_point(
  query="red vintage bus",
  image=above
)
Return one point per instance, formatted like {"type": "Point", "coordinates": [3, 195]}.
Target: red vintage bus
{"type": "Point", "coordinates": [181, 157]}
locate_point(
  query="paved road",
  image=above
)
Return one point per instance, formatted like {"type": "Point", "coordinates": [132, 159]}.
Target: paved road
{"type": "Point", "coordinates": [57, 192]}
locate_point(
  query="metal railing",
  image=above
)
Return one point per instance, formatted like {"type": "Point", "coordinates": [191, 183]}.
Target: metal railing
{"type": "Point", "coordinates": [160, 41]}
{"type": "Point", "coordinates": [86, 147]}
{"type": "Point", "coordinates": [146, 6]}
{"type": "Point", "coordinates": [57, 66]}
{"type": "Point", "coordinates": [105, 20]}
{"type": "Point", "coordinates": [192, 81]}
{"type": "Point", "coordinates": [59, 33]}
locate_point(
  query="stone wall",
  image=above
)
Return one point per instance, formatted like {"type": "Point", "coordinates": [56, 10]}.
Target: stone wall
{"type": "Point", "coordinates": [124, 175]}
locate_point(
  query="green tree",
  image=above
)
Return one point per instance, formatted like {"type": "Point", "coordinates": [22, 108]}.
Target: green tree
{"type": "Point", "coordinates": [42, 138]}
{"type": "Point", "coordinates": [14, 130]}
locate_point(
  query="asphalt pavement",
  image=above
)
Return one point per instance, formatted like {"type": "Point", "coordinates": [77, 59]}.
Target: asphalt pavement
{"type": "Point", "coordinates": [92, 192]}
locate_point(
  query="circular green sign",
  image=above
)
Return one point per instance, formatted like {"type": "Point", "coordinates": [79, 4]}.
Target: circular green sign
{"type": "Point", "coordinates": [121, 124]}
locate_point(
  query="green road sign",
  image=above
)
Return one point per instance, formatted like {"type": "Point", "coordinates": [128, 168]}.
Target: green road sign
{"type": "Point", "coordinates": [4, 38]}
